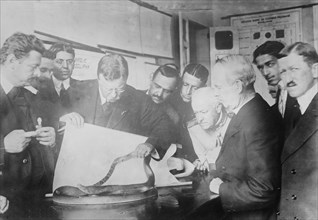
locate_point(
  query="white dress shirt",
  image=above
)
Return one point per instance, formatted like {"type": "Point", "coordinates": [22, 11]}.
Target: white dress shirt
{"type": "Point", "coordinates": [306, 98]}
{"type": "Point", "coordinates": [58, 84]}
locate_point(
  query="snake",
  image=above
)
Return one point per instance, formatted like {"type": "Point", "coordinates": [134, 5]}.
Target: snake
{"type": "Point", "coordinates": [99, 189]}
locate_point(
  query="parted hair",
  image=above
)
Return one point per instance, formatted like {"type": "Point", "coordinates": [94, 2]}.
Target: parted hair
{"type": "Point", "coordinates": [60, 46]}
{"type": "Point", "coordinates": [20, 45]}
{"type": "Point", "coordinates": [48, 54]}
{"type": "Point", "coordinates": [167, 70]}
{"type": "Point", "coordinates": [113, 66]}
{"type": "Point", "coordinates": [198, 71]}
{"type": "Point", "coordinates": [307, 51]}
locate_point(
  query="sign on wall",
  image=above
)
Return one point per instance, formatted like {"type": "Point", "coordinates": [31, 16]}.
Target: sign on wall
{"type": "Point", "coordinates": [254, 30]}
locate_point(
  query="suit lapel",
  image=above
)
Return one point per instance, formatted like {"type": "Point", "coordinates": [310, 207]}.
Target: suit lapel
{"type": "Point", "coordinates": [232, 129]}
{"type": "Point", "coordinates": [305, 127]}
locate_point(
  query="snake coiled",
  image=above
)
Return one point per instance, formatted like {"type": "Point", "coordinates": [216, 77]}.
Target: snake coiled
{"type": "Point", "coordinates": [98, 188]}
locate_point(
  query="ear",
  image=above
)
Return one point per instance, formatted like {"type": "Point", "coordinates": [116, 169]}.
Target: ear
{"type": "Point", "coordinates": [219, 108]}
{"type": "Point", "coordinates": [151, 76]}
{"type": "Point", "coordinates": [314, 70]}
{"type": "Point", "coordinates": [238, 86]}
{"type": "Point", "coordinates": [11, 61]}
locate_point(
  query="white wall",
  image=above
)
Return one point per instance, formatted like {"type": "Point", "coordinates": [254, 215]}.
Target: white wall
{"type": "Point", "coordinates": [120, 24]}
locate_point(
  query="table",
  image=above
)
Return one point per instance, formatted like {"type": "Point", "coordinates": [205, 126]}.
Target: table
{"type": "Point", "coordinates": [171, 203]}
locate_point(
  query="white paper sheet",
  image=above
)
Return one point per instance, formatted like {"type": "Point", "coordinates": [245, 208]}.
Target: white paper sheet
{"type": "Point", "coordinates": [87, 154]}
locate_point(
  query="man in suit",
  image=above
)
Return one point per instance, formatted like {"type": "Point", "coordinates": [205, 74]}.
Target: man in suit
{"type": "Point", "coordinates": [56, 89]}
{"type": "Point", "coordinates": [299, 72]}
{"type": "Point", "coordinates": [54, 82]}
{"type": "Point", "coordinates": [110, 102]}
{"type": "Point", "coordinates": [194, 76]}
{"type": "Point", "coordinates": [247, 176]}
{"type": "Point", "coordinates": [27, 138]}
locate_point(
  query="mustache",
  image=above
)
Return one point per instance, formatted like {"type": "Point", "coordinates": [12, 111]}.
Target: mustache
{"type": "Point", "coordinates": [291, 83]}
{"type": "Point", "coordinates": [156, 96]}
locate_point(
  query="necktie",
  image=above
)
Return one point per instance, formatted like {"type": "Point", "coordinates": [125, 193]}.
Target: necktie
{"type": "Point", "coordinates": [291, 119]}
{"type": "Point", "coordinates": [296, 113]}
{"type": "Point", "coordinates": [65, 100]}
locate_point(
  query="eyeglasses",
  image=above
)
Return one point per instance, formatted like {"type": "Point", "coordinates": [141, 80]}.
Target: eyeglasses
{"type": "Point", "coordinates": [60, 62]}
{"type": "Point", "coordinates": [116, 90]}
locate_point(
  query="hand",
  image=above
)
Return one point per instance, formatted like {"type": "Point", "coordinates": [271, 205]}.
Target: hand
{"type": "Point", "coordinates": [201, 166]}
{"type": "Point", "coordinates": [73, 118]}
{"type": "Point", "coordinates": [46, 136]}
{"type": "Point", "coordinates": [215, 185]}
{"type": "Point", "coordinates": [17, 140]}
{"type": "Point", "coordinates": [4, 204]}
{"type": "Point", "coordinates": [143, 150]}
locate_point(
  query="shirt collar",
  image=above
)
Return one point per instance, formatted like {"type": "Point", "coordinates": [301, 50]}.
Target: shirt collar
{"type": "Point", "coordinates": [6, 85]}
{"type": "Point", "coordinates": [238, 108]}
{"type": "Point", "coordinates": [58, 83]}
{"type": "Point", "coordinates": [31, 89]}
{"type": "Point", "coordinates": [306, 98]}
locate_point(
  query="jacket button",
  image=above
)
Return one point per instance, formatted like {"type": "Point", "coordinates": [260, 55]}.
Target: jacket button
{"type": "Point", "coordinates": [293, 171]}
{"type": "Point", "coordinates": [223, 168]}
{"type": "Point", "coordinates": [294, 197]}
{"type": "Point", "coordinates": [25, 161]}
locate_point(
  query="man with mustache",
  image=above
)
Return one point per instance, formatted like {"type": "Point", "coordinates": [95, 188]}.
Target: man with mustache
{"type": "Point", "coordinates": [27, 138]}
{"type": "Point", "coordinates": [61, 78]}
{"type": "Point", "coordinates": [299, 73]}
{"type": "Point", "coordinates": [164, 82]}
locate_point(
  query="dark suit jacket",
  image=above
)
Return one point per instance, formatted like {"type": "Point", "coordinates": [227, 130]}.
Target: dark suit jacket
{"type": "Point", "coordinates": [300, 168]}
{"type": "Point", "coordinates": [248, 162]}
{"type": "Point", "coordinates": [47, 92]}
{"type": "Point", "coordinates": [17, 170]}
{"type": "Point", "coordinates": [134, 112]}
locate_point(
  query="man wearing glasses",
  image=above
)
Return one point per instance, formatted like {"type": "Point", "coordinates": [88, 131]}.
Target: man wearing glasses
{"type": "Point", "coordinates": [63, 66]}
{"type": "Point", "coordinates": [110, 102]}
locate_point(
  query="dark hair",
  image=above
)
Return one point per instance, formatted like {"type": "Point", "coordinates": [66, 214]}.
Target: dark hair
{"type": "Point", "coordinates": [198, 71]}
{"type": "Point", "coordinates": [59, 46]}
{"type": "Point", "coordinates": [48, 54]}
{"type": "Point", "coordinates": [305, 50]}
{"type": "Point", "coordinates": [20, 45]}
{"type": "Point", "coordinates": [167, 70]}
{"type": "Point", "coordinates": [113, 66]}
{"type": "Point", "coordinates": [269, 47]}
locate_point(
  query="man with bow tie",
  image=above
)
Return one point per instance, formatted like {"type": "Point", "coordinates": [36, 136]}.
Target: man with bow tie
{"type": "Point", "coordinates": [27, 136]}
